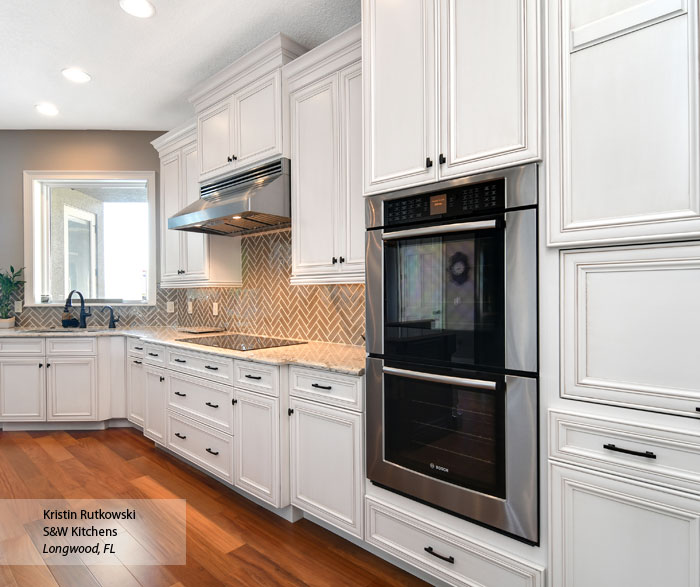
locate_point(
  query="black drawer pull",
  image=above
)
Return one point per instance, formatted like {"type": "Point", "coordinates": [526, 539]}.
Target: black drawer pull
{"type": "Point", "coordinates": [697, 409]}
{"type": "Point", "coordinates": [180, 394]}
{"type": "Point", "coordinates": [211, 368]}
{"type": "Point", "coordinates": [180, 435]}
{"type": "Point", "coordinates": [318, 386]}
{"type": "Point", "coordinates": [447, 559]}
{"type": "Point", "coordinates": [212, 405]}
{"type": "Point", "coordinates": [637, 453]}
{"type": "Point", "coordinates": [256, 377]}
{"type": "Point", "coordinates": [152, 354]}
{"type": "Point", "coordinates": [180, 361]}
{"type": "Point", "coordinates": [212, 452]}
{"type": "Point", "coordinates": [138, 348]}
{"type": "Point", "coordinates": [138, 363]}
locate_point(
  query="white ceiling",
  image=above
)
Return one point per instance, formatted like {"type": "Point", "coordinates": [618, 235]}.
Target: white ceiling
{"type": "Point", "coordinates": [142, 69]}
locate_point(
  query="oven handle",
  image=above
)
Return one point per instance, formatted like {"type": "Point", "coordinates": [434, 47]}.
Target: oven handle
{"type": "Point", "coordinates": [478, 383]}
{"type": "Point", "coordinates": [442, 229]}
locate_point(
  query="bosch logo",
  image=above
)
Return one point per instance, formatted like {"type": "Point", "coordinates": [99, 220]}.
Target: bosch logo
{"type": "Point", "coordinates": [439, 468]}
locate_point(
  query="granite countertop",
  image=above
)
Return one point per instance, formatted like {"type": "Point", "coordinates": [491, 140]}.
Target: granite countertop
{"type": "Point", "coordinates": [341, 358]}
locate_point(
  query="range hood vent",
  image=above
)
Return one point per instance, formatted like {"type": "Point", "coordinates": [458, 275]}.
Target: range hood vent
{"type": "Point", "coordinates": [250, 202]}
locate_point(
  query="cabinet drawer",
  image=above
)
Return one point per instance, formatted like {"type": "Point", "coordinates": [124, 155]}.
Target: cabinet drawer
{"type": "Point", "coordinates": [334, 389]}
{"type": "Point", "coordinates": [135, 347]}
{"type": "Point", "coordinates": [154, 354]}
{"type": "Point", "coordinates": [454, 559]}
{"type": "Point", "coordinates": [660, 455]}
{"type": "Point", "coordinates": [71, 347]}
{"type": "Point", "coordinates": [257, 377]}
{"type": "Point", "coordinates": [22, 346]}
{"type": "Point", "coordinates": [204, 446]}
{"type": "Point", "coordinates": [204, 401]}
{"type": "Point", "coordinates": [202, 364]}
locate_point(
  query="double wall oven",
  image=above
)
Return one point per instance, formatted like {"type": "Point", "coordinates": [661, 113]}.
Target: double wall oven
{"type": "Point", "coordinates": [452, 386]}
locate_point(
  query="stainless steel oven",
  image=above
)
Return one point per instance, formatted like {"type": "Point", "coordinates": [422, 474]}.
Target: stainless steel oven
{"type": "Point", "coordinates": [452, 391]}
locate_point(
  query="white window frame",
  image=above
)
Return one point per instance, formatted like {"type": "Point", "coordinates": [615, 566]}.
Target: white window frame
{"type": "Point", "coordinates": [69, 212]}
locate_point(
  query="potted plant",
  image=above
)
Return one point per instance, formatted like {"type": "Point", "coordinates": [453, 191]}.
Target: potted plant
{"type": "Point", "coordinates": [10, 282]}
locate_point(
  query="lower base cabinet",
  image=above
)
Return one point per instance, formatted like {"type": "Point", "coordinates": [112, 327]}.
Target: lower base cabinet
{"type": "Point", "coordinates": [609, 531]}
{"type": "Point", "coordinates": [135, 390]}
{"type": "Point", "coordinates": [22, 389]}
{"type": "Point", "coordinates": [156, 397]}
{"type": "Point", "coordinates": [71, 386]}
{"type": "Point", "coordinates": [327, 473]}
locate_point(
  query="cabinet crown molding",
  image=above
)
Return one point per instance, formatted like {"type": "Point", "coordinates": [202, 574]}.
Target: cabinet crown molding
{"type": "Point", "coordinates": [176, 138]}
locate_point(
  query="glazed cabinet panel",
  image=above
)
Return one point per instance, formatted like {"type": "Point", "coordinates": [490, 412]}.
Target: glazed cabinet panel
{"type": "Point", "coordinates": [71, 388]}
{"type": "Point", "coordinates": [606, 531]}
{"type": "Point", "coordinates": [135, 390]}
{"type": "Point", "coordinates": [22, 389]}
{"type": "Point", "coordinates": [623, 121]}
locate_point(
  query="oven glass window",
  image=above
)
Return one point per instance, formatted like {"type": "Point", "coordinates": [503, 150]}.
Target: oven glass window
{"type": "Point", "coordinates": [444, 298]}
{"type": "Point", "coordinates": [446, 432]}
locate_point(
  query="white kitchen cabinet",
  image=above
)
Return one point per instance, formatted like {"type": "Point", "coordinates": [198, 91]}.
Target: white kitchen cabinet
{"type": "Point", "coordinates": [324, 95]}
{"type": "Point", "coordinates": [157, 384]}
{"type": "Point", "coordinates": [623, 119]}
{"type": "Point", "coordinates": [71, 388]}
{"type": "Point", "coordinates": [327, 463]}
{"type": "Point", "coordinates": [22, 389]}
{"type": "Point", "coordinates": [135, 390]}
{"type": "Point", "coordinates": [451, 88]}
{"type": "Point", "coordinates": [215, 139]}
{"type": "Point", "coordinates": [256, 445]}
{"type": "Point", "coordinates": [608, 531]}
{"type": "Point", "coordinates": [171, 240]}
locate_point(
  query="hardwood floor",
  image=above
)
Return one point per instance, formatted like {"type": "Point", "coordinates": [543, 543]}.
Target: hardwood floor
{"type": "Point", "coordinates": [230, 540]}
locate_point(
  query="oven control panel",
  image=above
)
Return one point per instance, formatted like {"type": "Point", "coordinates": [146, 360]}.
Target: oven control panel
{"type": "Point", "coordinates": [467, 200]}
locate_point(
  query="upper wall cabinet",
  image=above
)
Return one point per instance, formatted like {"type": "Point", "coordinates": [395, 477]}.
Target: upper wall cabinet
{"type": "Point", "coordinates": [239, 110]}
{"type": "Point", "coordinates": [623, 121]}
{"type": "Point", "coordinates": [452, 87]}
{"type": "Point", "coordinates": [324, 103]}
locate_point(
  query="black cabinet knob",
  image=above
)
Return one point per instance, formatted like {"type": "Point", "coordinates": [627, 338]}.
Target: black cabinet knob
{"type": "Point", "coordinates": [229, 159]}
{"type": "Point", "coordinates": [428, 162]}
{"type": "Point", "coordinates": [162, 379]}
{"type": "Point", "coordinates": [342, 259]}
{"type": "Point", "coordinates": [234, 158]}
{"type": "Point", "coordinates": [290, 411]}
{"type": "Point", "coordinates": [335, 260]}
{"type": "Point", "coordinates": [442, 159]}
{"type": "Point", "coordinates": [234, 402]}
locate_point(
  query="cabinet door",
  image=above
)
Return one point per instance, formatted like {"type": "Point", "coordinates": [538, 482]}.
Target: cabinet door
{"type": "Point", "coordinates": [195, 245]}
{"type": "Point", "coordinates": [135, 390]}
{"type": "Point", "coordinates": [399, 49]}
{"type": "Point", "coordinates": [623, 143]}
{"type": "Point", "coordinates": [171, 251]}
{"type": "Point", "coordinates": [71, 388]}
{"type": "Point", "coordinates": [326, 464]}
{"type": "Point", "coordinates": [490, 89]}
{"type": "Point", "coordinates": [215, 140]}
{"type": "Point", "coordinates": [606, 531]}
{"type": "Point", "coordinates": [258, 126]}
{"type": "Point", "coordinates": [157, 382]}
{"type": "Point", "coordinates": [315, 178]}
{"type": "Point", "coordinates": [256, 445]}
{"type": "Point", "coordinates": [22, 389]}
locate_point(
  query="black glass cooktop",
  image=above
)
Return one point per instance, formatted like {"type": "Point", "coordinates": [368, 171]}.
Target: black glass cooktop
{"type": "Point", "coordinates": [241, 342]}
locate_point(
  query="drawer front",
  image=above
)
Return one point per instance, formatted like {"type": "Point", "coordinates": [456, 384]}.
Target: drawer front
{"type": "Point", "coordinates": [202, 364]}
{"type": "Point", "coordinates": [257, 377]}
{"type": "Point", "coordinates": [71, 347]}
{"type": "Point", "coordinates": [442, 554]}
{"type": "Point", "coordinates": [663, 456]}
{"type": "Point", "coordinates": [22, 346]}
{"type": "Point", "coordinates": [135, 347]}
{"type": "Point", "coordinates": [201, 400]}
{"type": "Point", "coordinates": [329, 388]}
{"type": "Point", "coordinates": [154, 354]}
{"type": "Point", "coordinates": [201, 445]}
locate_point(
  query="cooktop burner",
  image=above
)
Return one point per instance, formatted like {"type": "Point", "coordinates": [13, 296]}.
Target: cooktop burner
{"type": "Point", "coordinates": [241, 342]}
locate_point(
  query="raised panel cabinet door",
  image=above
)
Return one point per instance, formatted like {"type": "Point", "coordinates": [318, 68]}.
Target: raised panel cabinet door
{"type": "Point", "coordinates": [623, 120]}
{"type": "Point", "coordinates": [71, 388]}
{"type": "Point", "coordinates": [154, 424]}
{"type": "Point", "coordinates": [399, 45]}
{"type": "Point", "coordinates": [490, 86]}
{"type": "Point", "coordinates": [195, 245]}
{"type": "Point", "coordinates": [609, 531]}
{"type": "Point", "coordinates": [327, 464]}
{"type": "Point", "coordinates": [258, 126]}
{"type": "Point", "coordinates": [215, 140]}
{"type": "Point", "coordinates": [170, 204]}
{"type": "Point", "coordinates": [22, 389]}
{"type": "Point", "coordinates": [315, 178]}
{"type": "Point", "coordinates": [135, 390]}
{"type": "Point", "coordinates": [256, 445]}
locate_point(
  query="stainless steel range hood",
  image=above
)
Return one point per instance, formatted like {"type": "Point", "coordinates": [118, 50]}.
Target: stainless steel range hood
{"type": "Point", "coordinates": [253, 201]}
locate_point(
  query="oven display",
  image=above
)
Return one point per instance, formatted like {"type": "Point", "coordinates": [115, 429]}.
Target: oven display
{"type": "Point", "coordinates": [438, 204]}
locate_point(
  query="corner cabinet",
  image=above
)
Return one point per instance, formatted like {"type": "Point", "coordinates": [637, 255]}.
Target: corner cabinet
{"type": "Point", "coordinates": [189, 259]}
{"type": "Point", "coordinates": [451, 88]}
{"type": "Point", "coordinates": [324, 98]}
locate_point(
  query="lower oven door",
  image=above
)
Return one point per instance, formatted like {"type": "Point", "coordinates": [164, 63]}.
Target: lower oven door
{"type": "Point", "coordinates": [460, 441]}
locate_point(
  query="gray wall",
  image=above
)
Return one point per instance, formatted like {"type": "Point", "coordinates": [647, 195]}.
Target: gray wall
{"type": "Point", "coordinates": [60, 150]}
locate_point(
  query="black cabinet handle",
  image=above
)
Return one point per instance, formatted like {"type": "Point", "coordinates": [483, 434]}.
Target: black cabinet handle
{"type": "Point", "coordinates": [290, 411]}
{"type": "Point", "coordinates": [234, 402]}
{"type": "Point", "coordinates": [256, 377]}
{"type": "Point", "coordinates": [212, 405]}
{"type": "Point", "coordinates": [212, 452]}
{"type": "Point", "coordinates": [229, 159]}
{"type": "Point", "coordinates": [152, 354]}
{"type": "Point", "coordinates": [342, 259]}
{"type": "Point", "coordinates": [442, 159]}
{"type": "Point", "coordinates": [41, 365]}
{"type": "Point", "coordinates": [447, 559]}
{"type": "Point", "coordinates": [180, 435]}
{"type": "Point", "coordinates": [180, 394]}
{"type": "Point", "coordinates": [180, 361]}
{"type": "Point", "coordinates": [428, 162]}
{"type": "Point", "coordinates": [162, 379]}
{"type": "Point", "coordinates": [317, 386]}
{"type": "Point", "coordinates": [637, 453]}
{"type": "Point", "coordinates": [335, 260]}
{"type": "Point", "coordinates": [211, 368]}
{"type": "Point", "coordinates": [234, 158]}
{"type": "Point", "coordinates": [138, 363]}
{"type": "Point", "coordinates": [138, 348]}
{"type": "Point", "coordinates": [48, 365]}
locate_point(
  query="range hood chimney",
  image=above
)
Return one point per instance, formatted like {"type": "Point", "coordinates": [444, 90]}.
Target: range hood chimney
{"type": "Point", "coordinates": [250, 202]}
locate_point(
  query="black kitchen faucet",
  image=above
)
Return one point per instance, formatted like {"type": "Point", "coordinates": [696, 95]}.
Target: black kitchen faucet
{"type": "Point", "coordinates": [83, 312]}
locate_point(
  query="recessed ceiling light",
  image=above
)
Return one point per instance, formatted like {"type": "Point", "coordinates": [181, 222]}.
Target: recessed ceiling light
{"type": "Point", "coordinates": [76, 75]}
{"type": "Point", "coordinates": [138, 8]}
{"type": "Point", "coordinates": [46, 108]}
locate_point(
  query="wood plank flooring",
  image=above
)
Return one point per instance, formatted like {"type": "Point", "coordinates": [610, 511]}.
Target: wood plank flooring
{"type": "Point", "coordinates": [230, 540]}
